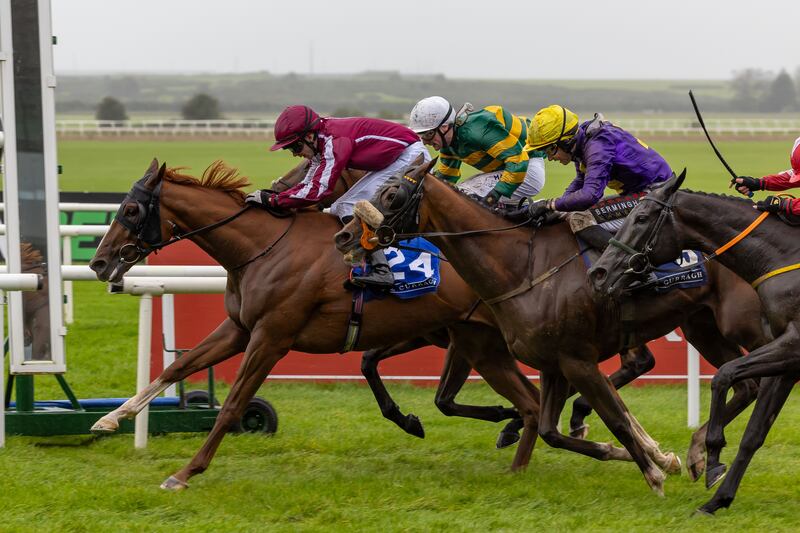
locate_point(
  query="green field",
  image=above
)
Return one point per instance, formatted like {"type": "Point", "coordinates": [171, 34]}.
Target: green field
{"type": "Point", "coordinates": [114, 165]}
{"type": "Point", "coordinates": [335, 463]}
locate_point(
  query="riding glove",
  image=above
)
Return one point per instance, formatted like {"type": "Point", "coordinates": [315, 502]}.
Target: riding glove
{"type": "Point", "coordinates": [749, 183]}
{"type": "Point", "coordinates": [493, 198]}
{"type": "Point", "coordinates": [775, 204]}
{"type": "Point", "coordinates": [263, 199]}
{"type": "Point", "coordinates": [531, 211]}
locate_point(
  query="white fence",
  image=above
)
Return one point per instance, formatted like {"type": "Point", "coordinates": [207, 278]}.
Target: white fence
{"type": "Point", "coordinates": [678, 126]}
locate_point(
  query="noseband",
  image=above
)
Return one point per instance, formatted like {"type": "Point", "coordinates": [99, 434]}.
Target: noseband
{"type": "Point", "coordinates": [406, 214]}
{"type": "Point", "coordinates": [639, 261]}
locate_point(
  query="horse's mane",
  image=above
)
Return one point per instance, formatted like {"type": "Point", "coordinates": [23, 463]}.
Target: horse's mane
{"type": "Point", "coordinates": [31, 258]}
{"type": "Point", "coordinates": [218, 176]}
{"type": "Point", "coordinates": [720, 196]}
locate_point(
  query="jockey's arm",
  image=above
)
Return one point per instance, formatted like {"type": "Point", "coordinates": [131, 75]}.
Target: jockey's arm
{"type": "Point", "coordinates": [505, 147]}
{"type": "Point", "coordinates": [779, 182]}
{"type": "Point", "coordinates": [291, 178]}
{"type": "Point", "coordinates": [449, 167]}
{"type": "Point", "coordinates": [592, 186]}
{"type": "Point", "coordinates": [321, 177]}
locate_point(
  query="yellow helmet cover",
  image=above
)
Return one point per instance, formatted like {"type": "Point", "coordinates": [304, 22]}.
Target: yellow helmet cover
{"type": "Point", "coordinates": [550, 125]}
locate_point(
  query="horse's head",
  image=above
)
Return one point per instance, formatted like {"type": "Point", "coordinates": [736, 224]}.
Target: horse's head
{"type": "Point", "coordinates": [394, 209]}
{"type": "Point", "coordinates": [646, 239]}
{"type": "Point", "coordinates": [136, 229]}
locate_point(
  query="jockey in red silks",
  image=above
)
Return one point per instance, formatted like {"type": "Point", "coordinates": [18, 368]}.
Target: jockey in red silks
{"type": "Point", "coordinates": [788, 179]}
{"type": "Point", "coordinates": [380, 147]}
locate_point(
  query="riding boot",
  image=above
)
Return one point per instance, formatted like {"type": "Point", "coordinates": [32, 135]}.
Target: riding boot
{"type": "Point", "coordinates": [595, 236]}
{"type": "Point", "coordinates": [379, 275]}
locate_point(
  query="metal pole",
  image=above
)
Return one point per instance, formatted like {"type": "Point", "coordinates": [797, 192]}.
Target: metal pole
{"type": "Point", "coordinates": [693, 385]}
{"type": "Point", "coordinates": [143, 366]}
{"type": "Point", "coordinates": [168, 334]}
{"type": "Point", "coordinates": [2, 373]}
{"type": "Point", "coordinates": [67, 260]}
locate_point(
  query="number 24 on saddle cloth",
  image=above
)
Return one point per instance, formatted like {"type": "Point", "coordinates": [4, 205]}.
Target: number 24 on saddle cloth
{"type": "Point", "coordinates": [415, 265]}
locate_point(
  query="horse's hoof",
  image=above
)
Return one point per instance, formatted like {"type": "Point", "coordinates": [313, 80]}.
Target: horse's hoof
{"type": "Point", "coordinates": [674, 466]}
{"type": "Point", "coordinates": [174, 484]}
{"type": "Point", "coordinates": [414, 427]}
{"type": "Point", "coordinates": [580, 432]}
{"type": "Point", "coordinates": [696, 470]}
{"type": "Point", "coordinates": [104, 426]}
{"type": "Point", "coordinates": [715, 475]}
{"type": "Point", "coordinates": [655, 479]}
{"type": "Point", "coordinates": [706, 510]}
{"type": "Point", "coordinates": [506, 439]}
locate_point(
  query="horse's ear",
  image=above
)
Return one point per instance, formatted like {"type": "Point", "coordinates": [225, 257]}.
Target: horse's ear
{"type": "Point", "coordinates": [155, 176]}
{"type": "Point", "coordinates": [418, 161]}
{"type": "Point", "coordinates": [152, 168]}
{"type": "Point", "coordinates": [675, 183]}
{"type": "Point", "coordinates": [432, 164]}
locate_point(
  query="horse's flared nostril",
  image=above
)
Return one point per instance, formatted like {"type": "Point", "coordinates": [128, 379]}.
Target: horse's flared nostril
{"type": "Point", "coordinates": [597, 275]}
{"type": "Point", "coordinates": [97, 265]}
{"type": "Point", "coordinates": [343, 238]}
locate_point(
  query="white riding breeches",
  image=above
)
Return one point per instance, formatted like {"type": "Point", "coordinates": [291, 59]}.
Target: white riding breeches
{"type": "Point", "coordinates": [481, 184]}
{"type": "Point", "coordinates": [368, 185]}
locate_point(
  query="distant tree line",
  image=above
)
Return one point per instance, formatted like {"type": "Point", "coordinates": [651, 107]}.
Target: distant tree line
{"type": "Point", "coordinates": [391, 95]}
{"type": "Point", "coordinates": [757, 90]}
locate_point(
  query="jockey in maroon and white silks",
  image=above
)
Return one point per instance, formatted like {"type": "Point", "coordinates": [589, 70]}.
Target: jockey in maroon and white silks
{"type": "Point", "coordinates": [378, 146]}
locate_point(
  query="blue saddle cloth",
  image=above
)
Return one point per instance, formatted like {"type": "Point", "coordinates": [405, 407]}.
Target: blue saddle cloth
{"type": "Point", "coordinates": [415, 265]}
{"type": "Point", "coordinates": [686, 272]}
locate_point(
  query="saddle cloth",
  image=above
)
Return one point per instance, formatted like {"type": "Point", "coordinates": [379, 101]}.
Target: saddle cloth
{"type": "Point", "coordinates": [415, 265]}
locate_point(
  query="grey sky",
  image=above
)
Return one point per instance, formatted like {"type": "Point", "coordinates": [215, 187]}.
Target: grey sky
{"type": "Point", "coordinates": [678, 39]}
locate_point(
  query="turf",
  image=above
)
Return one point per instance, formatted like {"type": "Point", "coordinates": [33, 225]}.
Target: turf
{"type": "Point", "coordinates": [114, 165]}
{"type": "Point", "coordinates": [336, 464]}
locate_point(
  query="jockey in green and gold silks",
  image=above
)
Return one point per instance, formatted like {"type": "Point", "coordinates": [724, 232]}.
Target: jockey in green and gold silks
{"type": "Point", "coordinates": [490, 139]}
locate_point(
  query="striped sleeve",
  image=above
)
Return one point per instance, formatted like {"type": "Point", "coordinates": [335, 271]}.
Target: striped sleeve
{"type": "Point", "coordinates": [449, 167]}
{"type": "Point", "coordinates": [504, 146]}
{"type": "Point", "coordinates": [321, 176]}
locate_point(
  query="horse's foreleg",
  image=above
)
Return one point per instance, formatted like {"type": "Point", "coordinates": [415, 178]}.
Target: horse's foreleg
{"type": "Point", "coordinates": [635, 362]}
{"type": "Point", "coordinates": [389, 408]}
{"type": "Point", "coordinates": [772, 395]}
{"type": "Point", "coordinates": [224, 342]}
{"type": "Point", "coordinates": [261, 355]}
{"type": "Point", "coordinates": [555, 391]}
{"type": "Point", "coordinates": [773, 359]}
{"type": "Point", "coordinates": [590, 382]}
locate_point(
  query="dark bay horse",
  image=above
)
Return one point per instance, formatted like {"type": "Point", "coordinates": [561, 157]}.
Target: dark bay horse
{"type": "Point", "coordinates": [537, 287]}
{"type": "Point", "coordinates": [285, 292]}
{"type": "Point", "coordinates": [676, 219]}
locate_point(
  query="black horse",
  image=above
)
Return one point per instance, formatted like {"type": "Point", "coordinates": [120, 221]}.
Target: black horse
{"type": "Point", "coordinates": [767, 255]}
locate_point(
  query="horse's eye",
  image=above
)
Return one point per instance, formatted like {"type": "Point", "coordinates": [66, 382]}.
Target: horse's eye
{"type": "Point", "coordinates": [131, 210]}
{"type": "Point", "coordinates": [641, 219]}
{"type": "Point", "coordinates": [390, 197]}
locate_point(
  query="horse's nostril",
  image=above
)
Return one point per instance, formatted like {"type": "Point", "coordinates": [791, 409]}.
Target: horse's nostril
{"type": "Point", "coordinates": [97, 265]}
{"type": "Point", "coordinates": [598, 274]}
{"type": "Point", "coordinates": [343, 237]}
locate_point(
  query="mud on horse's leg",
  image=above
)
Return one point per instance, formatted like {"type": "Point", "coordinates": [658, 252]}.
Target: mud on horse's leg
{"type": "Point", "coordinates": [261, 355]}
{"type": "Point", "coordinates": [635, 362]}
{"type": "Point", "coordinates": [224, 342]}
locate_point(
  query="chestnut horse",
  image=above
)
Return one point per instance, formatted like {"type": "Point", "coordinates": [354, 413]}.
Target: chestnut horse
{"type": "Point", "coordinates": [285, 292]}
{"type": "Point", "coordinates": [538, 289]}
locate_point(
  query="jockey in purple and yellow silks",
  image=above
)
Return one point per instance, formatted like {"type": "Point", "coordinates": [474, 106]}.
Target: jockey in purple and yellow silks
{"type": "Point", "coordinates": [604, 156]}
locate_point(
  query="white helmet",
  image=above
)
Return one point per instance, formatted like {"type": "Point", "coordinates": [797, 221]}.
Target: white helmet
{"type": "Point", "coordinates": [430, 113]}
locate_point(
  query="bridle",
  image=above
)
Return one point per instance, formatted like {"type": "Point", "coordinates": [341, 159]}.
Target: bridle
{"type": "Point", "coordinates": [639, 262]}
{"type": "Point", "coordinates": [147, 226]}
{"type": "Point", "coordinates": [395, 227]}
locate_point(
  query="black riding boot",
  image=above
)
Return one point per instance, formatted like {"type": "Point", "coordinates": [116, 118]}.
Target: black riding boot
{"type": "Point", "coordinates": [379, 275]}
{"type": "Point", "coordinates": [595, 236]}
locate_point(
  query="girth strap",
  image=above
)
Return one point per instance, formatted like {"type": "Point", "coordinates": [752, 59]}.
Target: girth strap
{"type": "Point", "coordinates": [775, 272]}
{"type": "Point", "coordinates": [354, 324]}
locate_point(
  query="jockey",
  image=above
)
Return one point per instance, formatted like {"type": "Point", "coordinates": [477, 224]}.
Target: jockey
{"type": "Point", "coordinates": [490, 139]}
{"type": "Point", "coordinates": [777, 182]}
{"type": "Point", "coordinates": [604, 156]}
{"type": "Point", "coordinates": [380, 147]}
